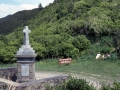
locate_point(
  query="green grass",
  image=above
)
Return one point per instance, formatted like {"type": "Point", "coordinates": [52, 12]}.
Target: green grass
{"type": "Point", "coordinates": [106, 70]}
{"type": "Point", "coordinates": [7, 65]}
{"type": "Point", "coordinates": [86, 66]}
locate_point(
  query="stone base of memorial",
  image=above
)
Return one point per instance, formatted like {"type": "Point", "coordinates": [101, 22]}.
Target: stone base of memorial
{"type": "Point", "coordinates": [25, 69]}
{"type": "Point", "coordinates": [25, 64]}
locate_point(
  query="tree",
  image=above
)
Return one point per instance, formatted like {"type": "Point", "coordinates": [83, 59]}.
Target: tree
{"type": "Point", "coordinates": [68, 50]}
{"type": "Point", "coordinates": [116, 42]}
{"type": "Point", "coordinates": [39, 49]}
{"type": "Point", "coordinates": [40, 6]}
{"type": "Point", "coordinates": [82, 43]}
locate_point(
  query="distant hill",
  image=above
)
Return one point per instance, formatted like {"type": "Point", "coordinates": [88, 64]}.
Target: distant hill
{"type": "Point", "coordinates": [64, 28]}
{"type": "Point", "coordinates": [11, 22]}
{"type": "Point", "coordinates": [5, 18]}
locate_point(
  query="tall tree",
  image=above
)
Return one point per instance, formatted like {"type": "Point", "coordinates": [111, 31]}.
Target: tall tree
{"type": "Point", "coordinates": [40, 6]}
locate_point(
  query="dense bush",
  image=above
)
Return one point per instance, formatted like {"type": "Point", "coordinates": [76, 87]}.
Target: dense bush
{"type": "Point", "coordinates": [78, 84]}
{"type": "Point", "coordinates": [81, 84]}
{"type": "Point", "coordinates": [116, 42]}
{"type": "Point", "coordinates": [75, 84]}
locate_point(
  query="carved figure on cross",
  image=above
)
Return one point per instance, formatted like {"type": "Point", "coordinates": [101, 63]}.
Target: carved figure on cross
{"type": "Point", "coordinates": [26, 32]}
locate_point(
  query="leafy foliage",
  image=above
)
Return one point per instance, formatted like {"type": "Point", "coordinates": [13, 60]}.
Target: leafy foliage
{"type": "Point", "coordinates": [78, 84]}
{"type": "Point", "coordinates": [63, 28]}
{"type": "Point", "coordinates": [81, 84]}
{"type": "Point", "coordinates": [115, 86]}
{"type": "Point", "coordinates": [75, 84]}
{"type": "Point", "coordinates": [116, 42]}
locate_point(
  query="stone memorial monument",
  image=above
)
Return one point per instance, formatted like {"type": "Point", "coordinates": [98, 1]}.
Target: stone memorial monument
{"type": "Point", "coordinates": [25, 60]}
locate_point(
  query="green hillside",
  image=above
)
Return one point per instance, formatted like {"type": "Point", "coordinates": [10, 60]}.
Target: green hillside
{"type": "Point", "coordinates": [69, 29]}
{"type": "Point", "coordinates": [11, 22]}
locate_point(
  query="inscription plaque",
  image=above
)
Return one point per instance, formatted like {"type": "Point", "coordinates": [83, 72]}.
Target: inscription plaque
{"type": "Point", "coordinates": [24, 69]}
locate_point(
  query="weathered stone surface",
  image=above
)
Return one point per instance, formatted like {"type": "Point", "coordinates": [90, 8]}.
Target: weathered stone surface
{"type": "Point", "coordinates": [9, 73]}
{"type": "Point", "coordinates": [26, 32]}
{"type": "Point", "coordinates": [26, 49]}
{"type": "Point", "coordinates": [25, 60]}
{"type": "Point", "coordinates": [34, 85]}
{"type": "Point", "coordinates": [29, 77]}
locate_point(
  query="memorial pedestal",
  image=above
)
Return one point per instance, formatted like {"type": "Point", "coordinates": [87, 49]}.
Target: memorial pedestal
{"type": "Point", "coordinates": [25, 60]}
{"type": "Point", "coordinates": [25, 69]}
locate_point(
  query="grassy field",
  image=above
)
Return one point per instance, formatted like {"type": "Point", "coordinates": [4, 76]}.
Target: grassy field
{"type": "Point", "coordinates": [103, 70]}
{"type": "Point", "coordinates": [86, 66]}
{"type": "Point", "coordinates": [7, 65]}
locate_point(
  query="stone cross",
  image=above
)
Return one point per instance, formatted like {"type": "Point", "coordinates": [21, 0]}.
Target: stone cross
{"type": "Point", "coordinates": [26, 32]}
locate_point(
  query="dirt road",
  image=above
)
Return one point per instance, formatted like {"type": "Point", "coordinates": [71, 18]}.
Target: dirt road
{"type": "Point", "coordinates": [41, 75]}
{"type": "Point", "coordinates": [91, 80]}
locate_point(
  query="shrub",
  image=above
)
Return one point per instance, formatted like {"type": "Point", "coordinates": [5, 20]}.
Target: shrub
{"type": "Point", "coordinates": [106, 49]}
{"type": "Point", "coordinates": [75, 84]}
{"type": "Point", "coordinates": [113, 56]}
{"type": "Point", "coordinates": [78, 84]}
{"type": "Point", "coordinates": [106, 87]}
{"type": "Point", "coordinates": [115, 86]}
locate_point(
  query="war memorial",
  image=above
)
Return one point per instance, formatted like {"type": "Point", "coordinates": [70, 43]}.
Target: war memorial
{"type": "Point", "coordinates": [22, 77]}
